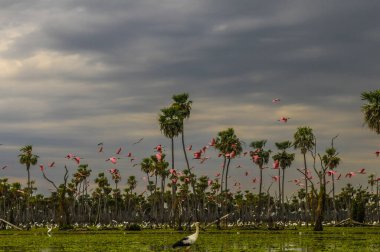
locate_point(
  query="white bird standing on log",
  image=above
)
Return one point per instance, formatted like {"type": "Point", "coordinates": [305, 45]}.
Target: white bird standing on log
{"type": "Point", "coordinates": [189, 240]}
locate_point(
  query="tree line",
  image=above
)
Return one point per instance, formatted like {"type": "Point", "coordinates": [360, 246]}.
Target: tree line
{"type": "Point", "coordinates": [177, 197]}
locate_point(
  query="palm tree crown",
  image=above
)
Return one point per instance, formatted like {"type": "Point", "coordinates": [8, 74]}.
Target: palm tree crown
{"type": "Point", "coordinates": [371, 110]}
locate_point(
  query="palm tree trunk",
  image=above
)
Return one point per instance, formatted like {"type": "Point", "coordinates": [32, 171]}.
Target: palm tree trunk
{"type": "Point", "coordinates": [282, 193]}
{"type": "Point", "coordinates": [279, 185]}
{"type": "Point", "coordinates": [377, 196]}
{"type": "Point", "coordinates": [306, 191]}
{"type": "Point", "coordinates": [228, 166]}
{"type": "Point", "coordinates": [222, 179]}
{"type": "Point", "coordinates": [333, 198]}
{"type": "Point", "coordinates": [187, 160]}
{"type": "Point", "coordinates": [260, 192]}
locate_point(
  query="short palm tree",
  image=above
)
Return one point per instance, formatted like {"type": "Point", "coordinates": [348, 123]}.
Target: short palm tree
{"type": "Point", "coordinates": [285, 160]}
{"type": "Point", "coordinates": [28, 159]}
{"type": "Point", "coordinates": [260, 157]}
{"type": "Point", "coordinates": [227, 143]}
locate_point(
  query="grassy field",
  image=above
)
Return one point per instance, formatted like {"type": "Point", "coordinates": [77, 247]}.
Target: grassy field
{"type": "Point", "coordinates": [302, 239]}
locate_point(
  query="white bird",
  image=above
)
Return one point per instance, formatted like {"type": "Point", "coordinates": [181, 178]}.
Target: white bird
{"type": "Point", "coordinates": [50, 228]}
{"type": "Point", "coordinates": [189, 240]}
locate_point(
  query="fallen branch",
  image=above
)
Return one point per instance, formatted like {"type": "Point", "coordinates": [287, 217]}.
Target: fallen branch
{"type": "Point", "coordinates": [221, 218]}
{"type": "Point", "coordinates": [10, 224]}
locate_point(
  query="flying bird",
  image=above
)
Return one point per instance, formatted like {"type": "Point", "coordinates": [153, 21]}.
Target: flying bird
{"type": "Point", "coordinates": [362, 171]}
{"type": "Point", "coordinates": [377, 153]}
{"type": "Point", "coordinates": [284, 119]}
{"type": "Point", "coordinates": [118, 151]}
{"type": "Point", "coordinates": [5, 166]}
{"type": "Point", "coordinates": [100, 149]}
{"type": "Point", "coordinates": [197, 155]}
{"type": "Point", "coordinates": [276, 164]}
{"type": "Point", "coordinates": [112, 160]}
{"type": "Point", "coordinates": [276, 178]}
{"type": "Point", "coordinates": [212, 142]}
{"type": "Point", "coordinates": [189, 240]}
{"type": "Point", "coordinates": [138, 141]}
{"type": "Point", "coordinates": [190, 147]}
{"type": "Point", "coordinates": [350, 174]}
{"type": "Point", "coordinates": [276, 100]}
{"type": "Point", "coordinates": [76, 159]}
{"type": "Point", "coordinates": [51, 165]}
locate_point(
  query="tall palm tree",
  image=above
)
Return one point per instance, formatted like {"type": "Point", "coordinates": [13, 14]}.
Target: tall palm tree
{"type": "Point", "coordinates": [229, 146]}
{"type": "Point", "coordinates": [260, 157]}
{"type": "Point", "coordinates": [285, 160]}
{"type": "Point", "coordinates": [371, 110]}
{"type": "Point", "coordinates": [28, 159]}
{"type": "Point", "coordinates": [182, 105]}
{"type": "Point", "coordinates": [304, 140]}
{"type": "Point", "coordinates": [170, 126]}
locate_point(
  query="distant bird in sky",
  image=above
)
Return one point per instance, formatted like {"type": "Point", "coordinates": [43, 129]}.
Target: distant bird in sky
{"type": "Point", "coordinates": [118, 151]}
{"type": "Point", "coordinates": [377, 153]}
{"type": "Point", "coordinates": [158, 148]}
{"type": "Point", "coordinates": [350, 174]}
{"type": "Point", "coordinates": [159, 156]}
{"type": "Point", "coordinates": [189, 240]}
{"type": "Point", "coordinates": [331, 172]}
{"type": "Point", "coordinates": [41, 167]}
{"type": "Point", "coordinates": [284, 119]}
{"type": "Point", "coordinates": [5, 166]}
{"type": "Point", "coordinates": [76, 159]}
{"type": "Point", "coordinates": [70, 156]}
{"type": "Point", "coordinates": [190, 147]}
{"type": "Point", "coordinates": [112, 160]}
{"type": "Point", "coordinates": [362, 171]}
{"type": "Point", "coordinates": [138, 141]}
{"type": "Point", "coordinates": [129, 154]}
{"type": "Point", "coordinates": [197, 155]}
{"type": "Point", "coordinates": [276, 178]}
{"type": "Point", "coordinates": [276, 100]}
{"type": "Point", "coordinates": [99, 144]}
{"type": "Point", "coordinates": [276, 164]}
{"type": "Point", "coordinates": [51, 165]}
{"type": "Point", "coordinates": [100, 149]}
{"type": "Point", "coordinates": [340, 175]}
{"type": "Point", "coordinates": [212, 142]}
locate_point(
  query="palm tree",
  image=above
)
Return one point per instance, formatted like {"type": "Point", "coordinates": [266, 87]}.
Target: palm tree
{"type": "Point", "coordinates": [260, 157]}
{"type": "Point", "coordinates": [28, 159]}
{"type": "Point", "coordinates": [170, 126]}
{"type": "Point", "coordinates": [132, 183]}
{"type": "Point", "coordinates": [304, 140]}
{"type": "Point", "coordinates": [331, 161]}
{"type": "Point", "coordinates": [285, 160]}
{"type": "Point", "coordinates": [229, 146]}
{"type": "Point", "coordinates": [148, 168]}
{"type": "Point", "coordinates": [371, 110]}
{"type": "Point", "coordinates": [182, 105]}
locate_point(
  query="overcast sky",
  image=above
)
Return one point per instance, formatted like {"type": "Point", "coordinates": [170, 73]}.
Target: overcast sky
{"type": "Point", "coordinates": [76, 73]}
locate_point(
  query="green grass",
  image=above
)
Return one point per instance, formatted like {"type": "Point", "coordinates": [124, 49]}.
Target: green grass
{"type": "Point", "coordinates": [332, 239]}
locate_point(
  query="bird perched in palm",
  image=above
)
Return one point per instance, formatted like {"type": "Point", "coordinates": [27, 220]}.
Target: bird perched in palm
{"type": "Point", "coordinates": [188, 240]}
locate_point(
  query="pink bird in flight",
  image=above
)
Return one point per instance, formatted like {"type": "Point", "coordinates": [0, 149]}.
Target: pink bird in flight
{"type": "Point", "coordinates": [284, 119]}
